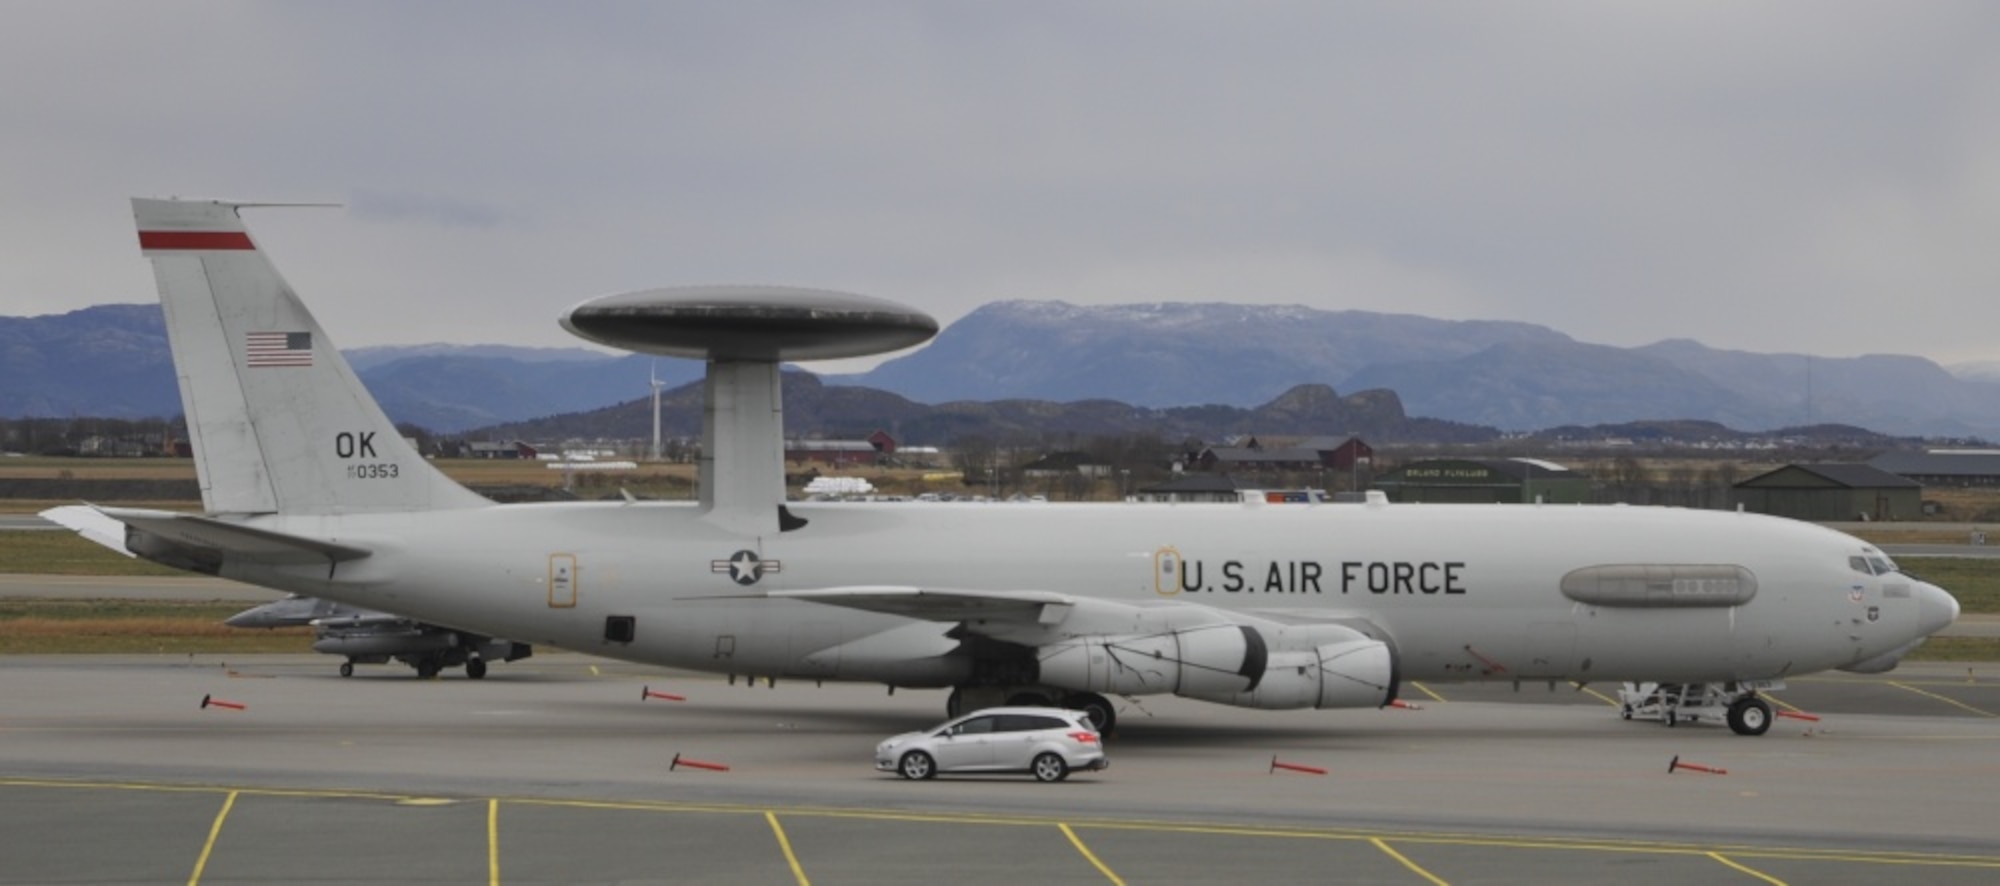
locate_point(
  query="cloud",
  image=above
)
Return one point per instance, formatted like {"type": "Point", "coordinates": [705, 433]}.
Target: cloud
{"type": "Point", "coordinates": [1762, 177]}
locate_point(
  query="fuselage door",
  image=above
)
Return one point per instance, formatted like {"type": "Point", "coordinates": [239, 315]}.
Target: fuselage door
{"type": "Point", "coordinates": [562, 581]}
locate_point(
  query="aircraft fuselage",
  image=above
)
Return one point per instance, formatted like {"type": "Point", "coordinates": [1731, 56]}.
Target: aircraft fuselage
{"type": "Point", "coordinates": [1460, 592]}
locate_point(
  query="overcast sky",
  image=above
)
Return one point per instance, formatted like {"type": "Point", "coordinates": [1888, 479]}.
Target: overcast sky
{"type": "Point", "coordinates": [1812, 177]}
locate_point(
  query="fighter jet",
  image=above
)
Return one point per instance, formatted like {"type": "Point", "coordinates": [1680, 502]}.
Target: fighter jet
{"type": "Point", "coordinates": [308, 488]}
{"type": "Point", "coordinates": [364, 636]}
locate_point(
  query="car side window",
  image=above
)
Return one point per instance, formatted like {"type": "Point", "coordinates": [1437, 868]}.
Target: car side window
{"type": "Point", "coordinates": [975, 726]}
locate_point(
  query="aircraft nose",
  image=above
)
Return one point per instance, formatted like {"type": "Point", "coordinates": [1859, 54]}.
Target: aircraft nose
{"type": "Point", "coordinates": [1936, 608]}
{"type": "Point", "coordinates": [248, 618]}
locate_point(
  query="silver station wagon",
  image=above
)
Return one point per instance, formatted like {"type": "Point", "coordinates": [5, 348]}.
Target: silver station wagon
{"type": "Point", "coordinates": [1048, 743]}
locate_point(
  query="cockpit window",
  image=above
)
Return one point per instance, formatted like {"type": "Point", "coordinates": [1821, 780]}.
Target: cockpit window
{"type": "Point", "coordinates": [1875, 564]}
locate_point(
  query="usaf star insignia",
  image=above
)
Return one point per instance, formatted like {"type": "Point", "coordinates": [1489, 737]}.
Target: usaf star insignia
{"type": "Point", "coordinates": [745, 567]}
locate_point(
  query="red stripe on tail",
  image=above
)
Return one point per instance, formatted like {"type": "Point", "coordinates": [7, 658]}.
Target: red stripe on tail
{"type": "Point", "coordinates": [194, 240]}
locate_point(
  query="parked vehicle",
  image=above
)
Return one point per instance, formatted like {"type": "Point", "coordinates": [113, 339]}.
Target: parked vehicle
{"type": "Point", "coordinates": [1048, 743]}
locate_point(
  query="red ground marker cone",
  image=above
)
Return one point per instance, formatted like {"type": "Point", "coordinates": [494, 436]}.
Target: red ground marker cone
{"type": "Point", "coordinates": [1399, 703]}
{"type": "Point", "coordinates": [680, 761]}
{"type": "Point", "coordinates": [1800, 715]}
{"type": "Point", "coordinates": [208, 701]}
{"type": "Point", "coordinates": [1676, 763]}
{"type": "Point", "coordinates": [1295, 767]}
{"type": "Point", "coordinates": [646, 692]}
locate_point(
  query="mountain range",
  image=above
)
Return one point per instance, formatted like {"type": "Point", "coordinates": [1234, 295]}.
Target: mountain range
{"type": "Point", "coordinates": [1151, 359]}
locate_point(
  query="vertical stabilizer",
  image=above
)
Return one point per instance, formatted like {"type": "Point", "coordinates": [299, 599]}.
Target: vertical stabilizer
{"type": "Point", "coordinates": [280, 423]}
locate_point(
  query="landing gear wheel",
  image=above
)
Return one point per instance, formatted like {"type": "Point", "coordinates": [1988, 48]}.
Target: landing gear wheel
{"type": "Point", "coordinates": [1027, 700]}
{"type": "Point", "coordinates": [1095, 707]}
{"type": "Point", "coordinates": [916, 766]}
{"type": "Point", "coordinates": [1750, 715]}
{"type": "Point", "coordinates": [954, 704]}
{"type": "Point", "coordinates": [1049, 766]}
{"type": "Point", "coordinates": [347, 669]}
{"type": "Point", "coordinates": [427, 669]}
{"type": "Point", "coordinates": [475, 668]}
{"type": "Point", "coordinates": [1672, 719]}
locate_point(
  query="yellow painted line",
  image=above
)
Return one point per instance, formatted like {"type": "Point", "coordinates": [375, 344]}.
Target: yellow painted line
{"type": "Point", "coordinates": [1950, 701]}
{"type": "Point", "coordinates": [214, 830]}
{"type": "Point", "coordinates": [1440, 838]}
{"type": "Point", "coordinates": [1427, 691]}
{"type": "Point", "coordinates": [1774, 881]}
{"type": "Point", "coordinates": [1597, 695]}
{"type": "Point", "coordinates": [1406, 862]}
{"type": "Point", "coordinates": [785, 844]}
{"type": "Point", "coordinates": [493, 841]}
{"type": "Point", "coordinates": [1088, 855]}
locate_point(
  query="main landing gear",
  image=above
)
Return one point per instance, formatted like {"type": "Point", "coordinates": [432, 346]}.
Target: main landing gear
{"type": "Point", "coordinates": [1737, 704]}
{"type": "Point", "coordinates": [965, 699]}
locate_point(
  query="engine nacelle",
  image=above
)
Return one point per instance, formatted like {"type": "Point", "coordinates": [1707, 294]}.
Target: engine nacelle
{"type": "Point", "coordinates": [1215, 659]}
{"type": "Point", "coordinates": [1342, 668]}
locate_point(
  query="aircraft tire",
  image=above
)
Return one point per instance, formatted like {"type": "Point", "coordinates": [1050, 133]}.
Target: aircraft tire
{"type": "Point", "coordinates": [1750, 715]}
{"type": "Point", "coordinates": [427, 669]}
{"type": "Point", "coordinates": [475, 668]}
{"type": "Point", "coordinates": [1096, 707]}
{"type": "Point", "coordinates": [1049, 766]}
{"type": "Point", "coordinates": [954, 704]}
{"type": "Point", "coordinates": [347, 669]}
{"type": "Point", "coordinates": [916, 766]}
{"type": "Point", "coordinates": [1027, 700]}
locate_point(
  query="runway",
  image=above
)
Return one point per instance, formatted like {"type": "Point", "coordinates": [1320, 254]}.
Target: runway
{"type": "Point", "coordinates": [554, 770]}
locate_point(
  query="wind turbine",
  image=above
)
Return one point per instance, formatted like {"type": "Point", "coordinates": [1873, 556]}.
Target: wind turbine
{"type": "Point", "coordinates": [653, 377]}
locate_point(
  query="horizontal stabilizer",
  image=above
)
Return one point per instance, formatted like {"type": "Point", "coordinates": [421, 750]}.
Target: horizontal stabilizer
{"type": "Point", "coordinates": [233, 540]}
{"type": "Point", "coordinates": [92, 524]}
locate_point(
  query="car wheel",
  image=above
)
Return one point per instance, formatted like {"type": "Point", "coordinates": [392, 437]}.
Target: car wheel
{"type": "Point", "coordinates": [1049, 766]}
{"type": "Point", "coordinates": [917, 766]}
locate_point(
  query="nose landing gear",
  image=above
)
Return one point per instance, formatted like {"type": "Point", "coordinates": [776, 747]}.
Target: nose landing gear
{"type": "Point", "coordinates": [1737, 704]}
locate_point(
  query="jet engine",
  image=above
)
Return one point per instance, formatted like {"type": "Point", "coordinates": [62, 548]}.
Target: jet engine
{"type": "Point", "coordinates": [1354, 672]}
{"type": "Point", "coordinates": [1252, 666]}
{"type": "Point", "coordinates": [1218, 658]}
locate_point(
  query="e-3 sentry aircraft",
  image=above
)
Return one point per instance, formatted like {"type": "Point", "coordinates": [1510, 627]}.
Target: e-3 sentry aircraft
{"type": "Point", "coordinates": [308, 488]}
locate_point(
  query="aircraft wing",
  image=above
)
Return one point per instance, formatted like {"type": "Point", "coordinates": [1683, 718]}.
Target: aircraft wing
{"type": "Point", "coordinates": [1028, 617]}
{"type": "Point", "coordinates": [368, 618]}
{"type": "Point", "coordinates": [1022, 607]}
{"type": "Point", "coordinates": [234, 540]}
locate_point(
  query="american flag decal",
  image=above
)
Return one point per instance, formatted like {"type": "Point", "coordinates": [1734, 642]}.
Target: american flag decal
{"type": "Point", "coordinates": [278, 349]}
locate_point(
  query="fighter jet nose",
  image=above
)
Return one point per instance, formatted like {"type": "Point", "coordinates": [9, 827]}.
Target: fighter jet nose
{"type": "Point", "coordinates": [1936, 608]}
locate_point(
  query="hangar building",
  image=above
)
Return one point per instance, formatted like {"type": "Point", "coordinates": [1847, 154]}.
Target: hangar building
{"type": "Point", "coordinates": [1832, 492]}
{"type": "Point", "coordinates": [1485, 480]}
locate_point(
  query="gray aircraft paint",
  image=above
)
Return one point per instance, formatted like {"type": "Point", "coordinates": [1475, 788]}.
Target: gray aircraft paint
{"type": "Point", "coordinates": [310, 490]}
